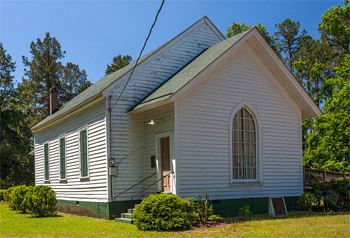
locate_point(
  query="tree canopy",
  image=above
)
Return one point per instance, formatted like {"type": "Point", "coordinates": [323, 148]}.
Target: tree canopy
{"type": "Point", "coordinates": [119, 62]}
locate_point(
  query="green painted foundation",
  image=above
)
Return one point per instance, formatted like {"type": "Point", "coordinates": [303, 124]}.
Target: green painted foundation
{"type": "Point", "coordinates": [224, 208]}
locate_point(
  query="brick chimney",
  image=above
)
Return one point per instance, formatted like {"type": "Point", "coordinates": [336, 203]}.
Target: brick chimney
{"type": "Point", "coordinates": [53, 94]}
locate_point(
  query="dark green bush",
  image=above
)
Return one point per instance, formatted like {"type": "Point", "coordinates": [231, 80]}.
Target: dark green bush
{"type": "Point", "coordinates": [41, 201]}
{"type": "Point", "coordinates": [19, 194]}
{"type": "Point", "coordinates": [306, 201]}
{"type": "Point", "coordinates": [333, 195]}
{"type": "Point", "coordinates": [164, 212]}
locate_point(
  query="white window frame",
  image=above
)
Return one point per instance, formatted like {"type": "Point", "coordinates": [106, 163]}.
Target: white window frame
{"type": "Point", "coordinates": [87, 152]}
{"type": "Point", "coordinates": [245, 104]}
{"type": "Point", "coordinates": [65, 156]}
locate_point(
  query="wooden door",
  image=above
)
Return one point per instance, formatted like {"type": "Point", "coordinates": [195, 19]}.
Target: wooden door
{"type": "Point", "coordinates": [165, 162]}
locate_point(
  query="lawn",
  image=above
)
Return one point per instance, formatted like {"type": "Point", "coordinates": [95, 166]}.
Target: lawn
{"type": "Point", "coordinates": [298, 224]}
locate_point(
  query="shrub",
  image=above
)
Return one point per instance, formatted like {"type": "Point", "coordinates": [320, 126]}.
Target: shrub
{"type": "Point", "coordinates": [203, 208]}
{"type": "Point", "coordinates": [19, 194]}
{"type": "Point", "coordinates": [216, 218]}
{"type": "Point", "coordinates": [41, 201]}
{"type": "Point", "coordinates": [333, 195]}
{"type": "Point", "coordinates": [8, 194]}
{"type": "Point", "coordinates": [164, 212]}
{"type": "Point", "coordinates": [306, 201]}
{"type": "Point", "coordinates": [244, 211]}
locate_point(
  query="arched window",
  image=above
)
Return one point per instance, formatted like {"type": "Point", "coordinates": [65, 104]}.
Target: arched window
{"type": "Point", "coordinates": [244, 146]}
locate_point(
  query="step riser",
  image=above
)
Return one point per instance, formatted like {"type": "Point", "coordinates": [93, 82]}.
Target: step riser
{"type": "Point", "coordinates": [126, 215]}
{"type": "Point", "coordinates": [124, 220]}
{"type": "Point", "coordinates": [131, 210]}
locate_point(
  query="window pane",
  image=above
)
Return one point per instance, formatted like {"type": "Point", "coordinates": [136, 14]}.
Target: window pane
{"type": "Point", "coordinates": [245, 113]}
{"type": "Point", "coordinates": [235, 173]}
{"type": "Point", "coordinates": [253, 137]}
{"type": "Point", "coordinates": [253, 161]}
{"type": "Point", "coordinates": [253, 149]}
{"type": "Point", "coordinates": [253, 176]}
{"type": "Point", "coordinates": [235, 136]}
{"type": "Point", "coordinates": [235, 122]}
{"type": "Point", "coordinates": [251, 125]}
{"type": "Point", "coordinates": [235, 148]}
{"type": "Point", "coordinates": [246, 136]}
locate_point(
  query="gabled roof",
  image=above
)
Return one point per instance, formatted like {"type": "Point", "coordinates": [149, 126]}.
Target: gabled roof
{"type": "Point", "coordinates": [185, 77]}
{"type": "Point", "coordinates": [96, 89]}
{"type": "Point", "coordinates": [191, 70]}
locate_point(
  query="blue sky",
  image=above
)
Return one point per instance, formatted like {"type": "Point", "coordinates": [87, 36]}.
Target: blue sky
{"type": "Point", "coordinates": [93, 32]}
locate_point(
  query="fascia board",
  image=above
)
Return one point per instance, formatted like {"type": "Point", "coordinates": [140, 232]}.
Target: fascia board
{"type": "Point", "coordinates": [76, 110]}
{"type": "Point", "coordinates": [287, 72]}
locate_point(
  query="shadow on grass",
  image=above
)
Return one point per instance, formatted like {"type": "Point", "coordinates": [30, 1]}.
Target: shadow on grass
{"type": "Point", "coordinates": [45, 216]}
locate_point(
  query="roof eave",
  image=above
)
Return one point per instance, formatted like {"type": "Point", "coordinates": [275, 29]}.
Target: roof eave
{"type": "Point", "coordinates": [73, 111]}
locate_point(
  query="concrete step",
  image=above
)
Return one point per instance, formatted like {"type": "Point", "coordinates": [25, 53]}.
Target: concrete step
{"type": "Point", "coordinates": [124, 220]}
{"type": "Point", "coordinates": [131, 210]}
{"type": "Point", "coordinates": [126, 215]}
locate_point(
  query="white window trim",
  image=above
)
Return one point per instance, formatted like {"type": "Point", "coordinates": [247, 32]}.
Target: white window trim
{"type": "Point", "coordinates": [48, 154]}
{"type": "Point", "coordinates": [87, 153]}
{"type": "Point", "coordinates": [65, 156]}
{"type": "Point", "coordinates": [245, 104]}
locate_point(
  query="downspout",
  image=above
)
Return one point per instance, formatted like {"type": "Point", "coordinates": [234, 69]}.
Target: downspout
{"type": "Point", "coordinates": [111, 159]}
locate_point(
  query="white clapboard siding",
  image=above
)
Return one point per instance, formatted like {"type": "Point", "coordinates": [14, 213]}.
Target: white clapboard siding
{"type": "Point", "coordinates": [92, 189]}
{"type": "Point", "coordinates": [203, 119]}
{"type": "Point", "coordinates": [127, 130]}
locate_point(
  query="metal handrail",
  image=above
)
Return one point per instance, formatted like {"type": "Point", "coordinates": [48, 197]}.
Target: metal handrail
{"type": "Point", "coordinates": [134, 186]}
{"type": "Point", "coordinates": [150, 185]}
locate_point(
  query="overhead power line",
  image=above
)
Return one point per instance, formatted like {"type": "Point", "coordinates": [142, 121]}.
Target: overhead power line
{"type": "Point", "coordinates": [144, 45]}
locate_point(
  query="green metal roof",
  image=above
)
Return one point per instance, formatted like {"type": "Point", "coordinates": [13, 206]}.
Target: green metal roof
{"type": "Point", "coordinates": [95, 89]}
{"type": "Point", "coordinates": [191, 70]}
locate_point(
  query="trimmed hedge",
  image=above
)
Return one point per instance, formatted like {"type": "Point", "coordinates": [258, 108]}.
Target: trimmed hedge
{"type": "Point", "coordinates": [41, 201]}
{"type": "Point", "coordinates": [165, 212]}
{"type": "Point", "coordinates": [38, 200]}
{"type": "Point", "coordinates": [18, 196]}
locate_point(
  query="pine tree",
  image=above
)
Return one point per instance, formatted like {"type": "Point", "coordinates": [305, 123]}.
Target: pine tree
{"type": "Point", "coordinates": [119, 62]}
{"type": "Point", "coordinates": [43, 71]}
{"type": "Point", "coordinates": [74, 81]}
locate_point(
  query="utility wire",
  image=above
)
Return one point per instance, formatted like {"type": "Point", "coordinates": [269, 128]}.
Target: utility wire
{"type": "Point", "coordinates": [144, 45]}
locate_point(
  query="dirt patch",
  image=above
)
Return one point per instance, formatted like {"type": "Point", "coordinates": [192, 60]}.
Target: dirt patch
{"type": "Point", "coordinates": [209, 224]}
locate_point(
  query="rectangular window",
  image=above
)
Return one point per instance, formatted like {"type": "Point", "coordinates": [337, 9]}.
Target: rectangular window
{"type": "Point", "coordinates": [46, 157]}
{"type": "Point", "coordinates": [83, 154]}
{"type": "Point", "coordinates": [63, 158]}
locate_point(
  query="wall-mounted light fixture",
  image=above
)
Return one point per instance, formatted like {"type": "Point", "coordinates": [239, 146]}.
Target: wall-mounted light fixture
{"type": "Point", "coordinates": [152, 123]}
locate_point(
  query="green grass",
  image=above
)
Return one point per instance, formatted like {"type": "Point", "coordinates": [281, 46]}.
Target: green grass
{"type": "Point", "coordinates": [298, 224]}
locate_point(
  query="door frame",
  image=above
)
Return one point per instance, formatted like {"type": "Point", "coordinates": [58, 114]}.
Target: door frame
{"type": "Point", "coordinates": [158, 136]}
